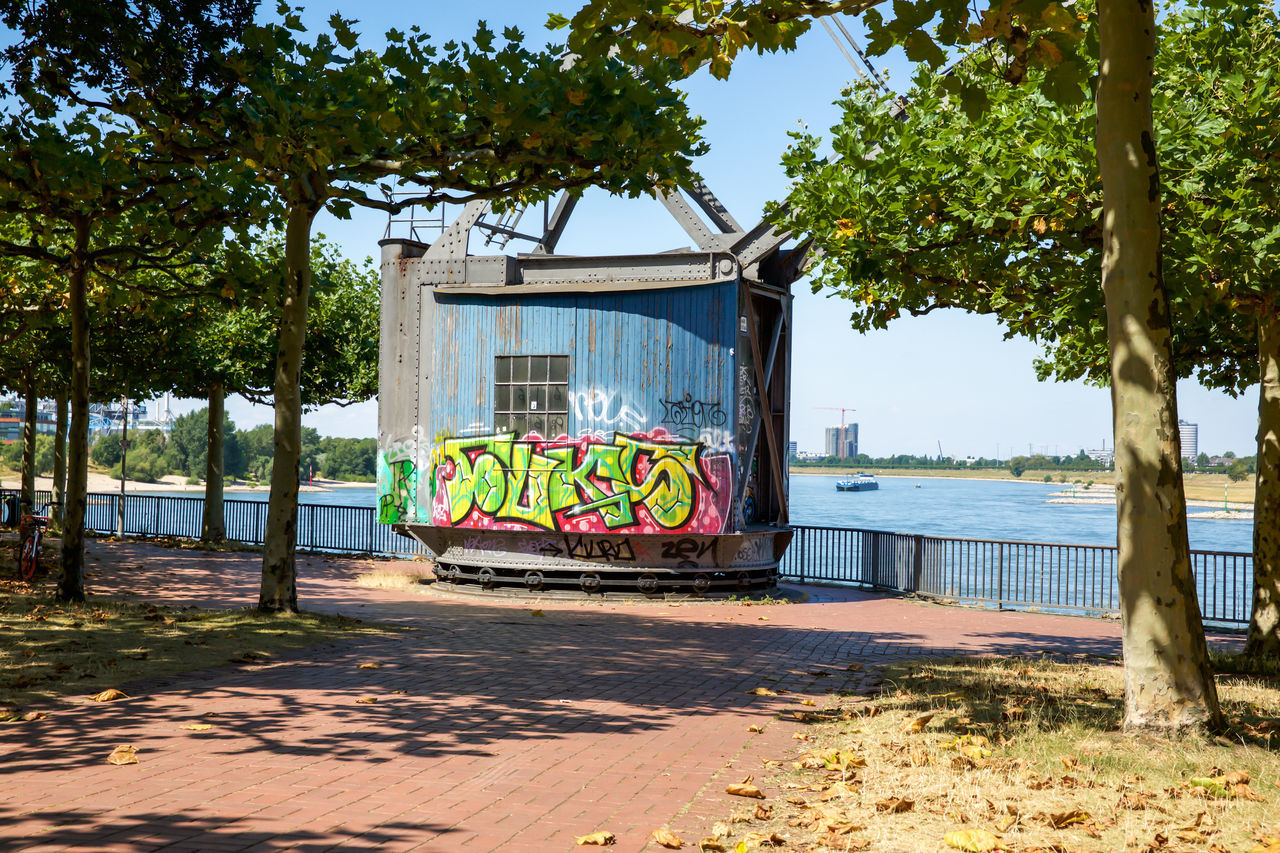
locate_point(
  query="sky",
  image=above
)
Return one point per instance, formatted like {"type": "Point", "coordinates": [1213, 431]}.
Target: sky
{"type": "Point", "coordinates": [947, 381]}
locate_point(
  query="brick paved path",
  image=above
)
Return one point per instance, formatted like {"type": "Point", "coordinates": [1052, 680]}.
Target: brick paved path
{"type": "Point", "coordinates": [512, 731]}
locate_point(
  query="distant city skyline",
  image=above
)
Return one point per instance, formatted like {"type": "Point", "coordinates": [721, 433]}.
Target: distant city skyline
{"type": "Point", "coordinates": [947, 377]}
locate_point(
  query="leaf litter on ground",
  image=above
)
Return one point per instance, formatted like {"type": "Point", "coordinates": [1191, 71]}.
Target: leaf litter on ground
{"type": "Point", "coordinates": [979, 747]}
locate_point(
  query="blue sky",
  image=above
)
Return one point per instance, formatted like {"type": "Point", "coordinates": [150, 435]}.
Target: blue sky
{"type": "Point", "coordinates": [948, 378]}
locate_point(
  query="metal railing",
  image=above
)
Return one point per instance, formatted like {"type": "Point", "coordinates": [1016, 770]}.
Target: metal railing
{"type": "Point", "coordinates": [1050, 576]}
{"type": "Point", "coordinates": [321, 527]}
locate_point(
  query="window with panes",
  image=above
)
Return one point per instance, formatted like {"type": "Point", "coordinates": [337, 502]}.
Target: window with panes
{"type": "Point", "coordinates": [531, 394]}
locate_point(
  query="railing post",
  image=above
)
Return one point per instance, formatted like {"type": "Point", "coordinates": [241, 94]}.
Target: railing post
{"type": "Point", "coordinates": [1000, 577]}
{"type": "Point", "coordinates": [917, 564]}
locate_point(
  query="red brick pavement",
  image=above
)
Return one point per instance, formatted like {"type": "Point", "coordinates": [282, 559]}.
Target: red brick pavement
{"type": "Point", "coordinates": [495, 728]}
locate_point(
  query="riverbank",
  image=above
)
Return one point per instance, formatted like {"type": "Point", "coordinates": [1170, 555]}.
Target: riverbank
{"type": "Point", "coordinates": [1206, 490]}
{"type": "Point", "coordinates": [1106, 495]}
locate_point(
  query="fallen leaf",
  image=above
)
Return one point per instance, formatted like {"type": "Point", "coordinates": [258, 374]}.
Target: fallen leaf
{"type": "Point", "coordinates": [109, 695]}
{"type": "Point", "coordinates": [763, 812]}
{"type": "Point", "coordinates": [1059, 820]}
{"type": "Point", "coordinates": [973, 840]}
{"type": "Point", "coordinates": [711, 844]}
{"type": "Point", "coordinates": [1069, 761]}
{"type": "Point", "coordinates": [1003, 822]}
{"type": "Point", "coordinates": [366, 700]}
{"type": "Point", "coordinates": [538, 614]}
{"type": "Point", "coordinates": [197, 727]}
{"type": "Point", "coordinates": [668, 839]}
{"type": "Point", "coordinates": [808, 702]}
{"type": "Point", "coordinates": [761, 691]}
{"type": "Point", "coordinates": [370, 666]}
{"type": "Point", "coordinates": [600, 839]}
{"type": "Point", "coordinates": [854, 667]}
{"type": "Point", "coordinates": [721, 830]}
{"type": "Point", "coordinates": [755, 729]}
{"type": "Point", "coordinates": [895, 805]}
{"type": "Point", "coordinates": [916, 725]}
{"type": "Point", "coordinates": [123, 755]}
{"type": "Point", "coordinates": [744, 789]}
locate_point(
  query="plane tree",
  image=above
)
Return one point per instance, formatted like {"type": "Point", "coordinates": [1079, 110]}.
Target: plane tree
{"type": "Point", "coordinates": [229, 345]}
{"type": "Point", "coordinates": [1002, 216]}
{"type": "Point", "coordinates": [319, 120]}
{"type": "Point", "coordinates": [1168, 682]}
{"type": "Point", "coordinates": [96, 201]}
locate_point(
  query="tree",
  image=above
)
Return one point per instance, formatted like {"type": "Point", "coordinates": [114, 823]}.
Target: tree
{"type": "Point", "coordinates": [98, 201]}
{"type": "Point", "coordinates": [975, 223]}
{"type": "Point", "coordinates": [317, 121]}
{"type": "Point", "coordinates": [1168, 685]}
{"type": "Point", "coordinates": [229, 349]}
{"type": "Point", "coordinates": [1018, 465]}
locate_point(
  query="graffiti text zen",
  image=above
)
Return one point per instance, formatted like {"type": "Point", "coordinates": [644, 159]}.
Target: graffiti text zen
{"type": "Point", "coordinates": [630, 483]}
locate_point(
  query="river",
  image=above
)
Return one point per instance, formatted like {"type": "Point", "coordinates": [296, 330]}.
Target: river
{"type": "Point", "coordinates": [974, 509]}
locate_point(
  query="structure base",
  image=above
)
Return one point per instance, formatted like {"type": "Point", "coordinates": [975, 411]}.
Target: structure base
{"type": "Point", "coordinates": [605, 564]}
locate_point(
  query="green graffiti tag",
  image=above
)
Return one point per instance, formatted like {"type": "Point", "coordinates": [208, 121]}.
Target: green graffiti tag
{"type": "Point", "coordinates": [397, 491]}
{"type": "Point", "coordinates": [542, 484]}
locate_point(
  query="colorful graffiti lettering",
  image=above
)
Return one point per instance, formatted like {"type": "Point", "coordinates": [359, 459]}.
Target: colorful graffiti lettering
{"type": "Point", "coordinates": [633, 483]}
{"type": "Point", "coordinates": [397, 490]}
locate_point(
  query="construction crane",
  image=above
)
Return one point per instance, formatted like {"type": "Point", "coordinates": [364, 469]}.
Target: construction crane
{"type": "Point", "coordinates": [841, 410]}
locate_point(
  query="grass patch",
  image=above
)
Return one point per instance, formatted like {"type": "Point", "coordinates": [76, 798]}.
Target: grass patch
{"type": "Point", "coordinates": [48, 649]}
{"type": "Point", "coordinates": [1029, 750]}
{"type": "Point", "coordinates": [399, 576]}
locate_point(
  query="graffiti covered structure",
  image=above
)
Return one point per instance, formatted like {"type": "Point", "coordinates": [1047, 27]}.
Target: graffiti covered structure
{"type": "Point", "coordinates": [591, 421]}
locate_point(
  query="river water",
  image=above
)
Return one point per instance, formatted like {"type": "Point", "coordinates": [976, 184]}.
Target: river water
{"type": "Point", "coordinates": [974, 509]}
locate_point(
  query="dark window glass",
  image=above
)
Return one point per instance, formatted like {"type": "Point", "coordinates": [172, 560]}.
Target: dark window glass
{"type": "Point", "coordinates": [531, 394]}
{"type": "Point", "coordinates": [557, 398]}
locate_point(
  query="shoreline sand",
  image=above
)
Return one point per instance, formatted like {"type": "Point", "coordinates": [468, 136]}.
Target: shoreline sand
{"type": "Point", "coordinates": [102, 483]}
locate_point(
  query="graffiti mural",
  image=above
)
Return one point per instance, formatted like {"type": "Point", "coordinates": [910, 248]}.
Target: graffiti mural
{"type": "Point", "coordinates": [639, 483]}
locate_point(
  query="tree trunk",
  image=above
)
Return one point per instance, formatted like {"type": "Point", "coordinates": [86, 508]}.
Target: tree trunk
{"type": "Point", "coordinates": [1168, 684]}
{"type": "Point", "coordinates": [59, 461]}
{"type": "Point", "coordinates": [279, 570]}
{"type": "Point", "coordinates": [71, 587]}
{"type": "Point", "coordinates": [213, 526]}
{"type": "Point", "coordinates": [28, 499]}
{"type": "Point", "coordinates": [1264, 619]}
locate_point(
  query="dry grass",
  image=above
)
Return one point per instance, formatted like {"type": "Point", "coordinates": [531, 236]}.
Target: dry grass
{"type": "Point", "coordinates": [49, 649]}
{"type": "Point", "coordinates": [398, 576]}
{"type": "Point", "coordinates": [1015, 747]}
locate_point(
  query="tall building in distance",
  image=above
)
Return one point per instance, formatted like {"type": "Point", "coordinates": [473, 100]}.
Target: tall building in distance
{"type": "Point", "coordinates": [1190, 435]}
{"type": "Point", "coordinates": [842, 447]}
{"type": "Point", "coordinates": [792, 448]}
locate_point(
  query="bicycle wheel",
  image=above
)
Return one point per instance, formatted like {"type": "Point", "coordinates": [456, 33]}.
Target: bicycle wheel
{"type": "Point", "coordinates": [29, 560]}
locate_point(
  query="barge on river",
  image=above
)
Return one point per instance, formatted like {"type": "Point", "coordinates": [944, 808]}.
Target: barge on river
{"type": "Point", "coordinates": [858, 483]}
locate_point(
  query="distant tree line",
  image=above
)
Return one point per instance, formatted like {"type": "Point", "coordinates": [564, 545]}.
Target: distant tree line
{"type": "Point", "coordinates": [247, 454]}
{"type": "Point", "coordinates": [1079, 462]}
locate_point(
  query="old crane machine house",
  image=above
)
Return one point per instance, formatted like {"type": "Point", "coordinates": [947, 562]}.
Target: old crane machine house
{"type": "Point", "coordinates": [590, 424]}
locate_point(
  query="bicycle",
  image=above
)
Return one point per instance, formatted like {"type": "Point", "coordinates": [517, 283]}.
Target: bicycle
{"type": "Point", "coordinates": [30, 538]}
